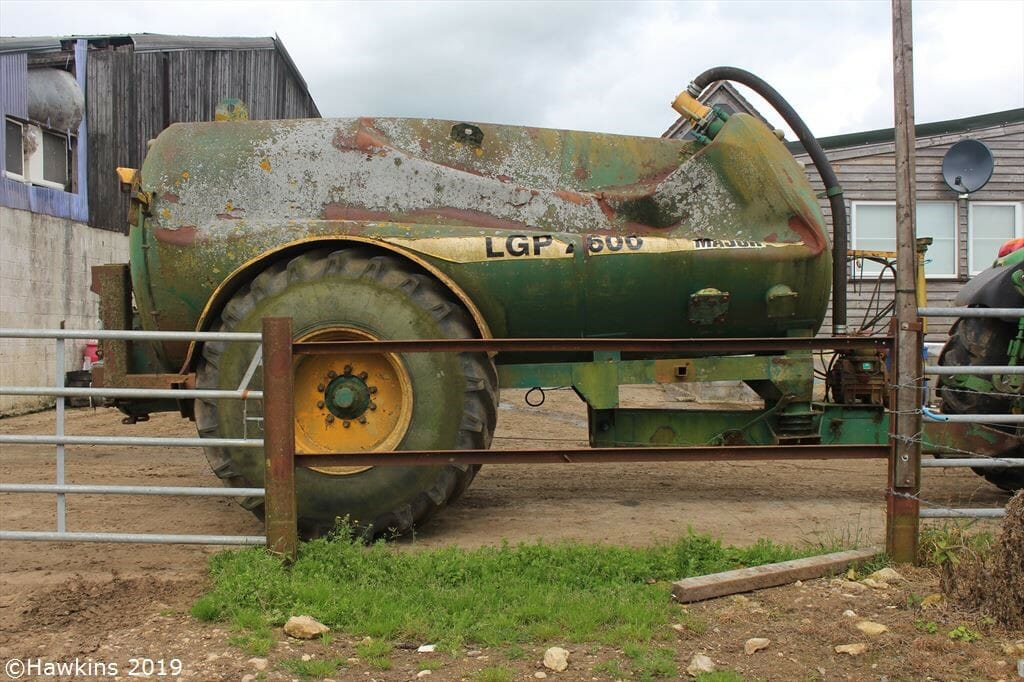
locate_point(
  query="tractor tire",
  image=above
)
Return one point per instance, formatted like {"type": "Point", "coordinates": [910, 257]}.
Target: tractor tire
{"type": "Point", "coordinates": [979, 341]}
{"type": "Point", "coordinates": [386, 401]}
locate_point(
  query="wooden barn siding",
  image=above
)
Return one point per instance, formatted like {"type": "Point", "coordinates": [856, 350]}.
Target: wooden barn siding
{"type": "Point", "coordinates": [127, 101]}
{"type": "Point", "coordinates": [868, 174]}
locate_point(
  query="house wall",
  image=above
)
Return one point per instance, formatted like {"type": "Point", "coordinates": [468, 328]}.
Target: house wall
{"type": "Point", "coordinates": [867, 173]}
{"type": "Point", "coordinates": [45, 266]}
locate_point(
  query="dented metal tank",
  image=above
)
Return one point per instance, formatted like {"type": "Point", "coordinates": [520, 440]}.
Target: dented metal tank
{"type": "Point", "coordinates": [548, 233]}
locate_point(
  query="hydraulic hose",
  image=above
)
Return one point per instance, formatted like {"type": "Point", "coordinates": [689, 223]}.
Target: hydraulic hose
{"type": "Point", "coordinates": [832, 189]}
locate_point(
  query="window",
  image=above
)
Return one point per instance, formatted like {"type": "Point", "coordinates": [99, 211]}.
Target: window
{"type": "Point", "coordinates": [989, 225]}
{"type": "Point", "coordinates": [37, 155]}
{"type": "Point", "coordinates": [14, 154]}
{"type": "Point", "coordinates": [874, 229]}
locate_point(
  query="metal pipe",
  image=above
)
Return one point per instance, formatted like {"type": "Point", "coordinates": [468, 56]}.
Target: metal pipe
{"type": "Point", "coordinates": [534, 345]}
{"type": "Point", "coordinates": [976, 370]}
{"type": "Point", "coordinates": [188, 491]}
{"type": "Point", "coordinates": [583, 455]}
{"type": "Point", "coordinates": [971, 312]}
{"type": "Point", "coordinates": [974, 462]}
{"type": "Point", "coordinates": [133, 441]}
{"type": "Point", "coordinates": [61, 500]}
{"type": "Point", "coordinates": [943, 513]}
{"type": "Point", "coordinates": [973, 418]}
{"type": "Point", "coordinates": [130, 392]}
{"type": "Point", "coordinates": [15, 333]}
{"type": "Point", "coordinates": [142, 538]}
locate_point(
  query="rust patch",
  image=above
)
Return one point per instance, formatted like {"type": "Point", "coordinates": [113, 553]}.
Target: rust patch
{"type": "Point", "coordinates": [342, 212]}
{"type": "Point", "coordinates": [170, 197]}
{"type": "Point", "coordinates": [228, 216]}
{"type": "Point", "coordinates": [814, 240]}
{"type": "Point", "coordinates": [572, 197]}
{"type": "Point", "coordinates": [504, 179]}
{"type": "Point", "coordinates": [185, 235]}
{"type": "Point", "coordinates": [773, 237]}
{"type": "Point", "coordinates": [581, 173]}
{"type": "Point", "coordinates": [265, 165]}
{"type": "Point", "coordinates": [466, 216]}
{"type": "Point", "coordinates": [361, 141]}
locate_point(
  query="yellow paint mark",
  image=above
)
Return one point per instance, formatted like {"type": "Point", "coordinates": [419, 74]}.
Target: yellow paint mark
{"type": "Point", "coordinates": [229, 207]}
{"type": "Point", "coordinates": [265, 165]}
{"type": "Point", "coordinates": [184, 175]}
{"type": "Point", "coordinates": [482, 249]}
{"type": "Point", "coordinates": [165, 214]}
{"type": "Point", "coordinates": [478, 151]}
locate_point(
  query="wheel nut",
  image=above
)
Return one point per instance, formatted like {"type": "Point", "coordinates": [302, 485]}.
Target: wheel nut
{"type": "Point", "coordinates": [346, 423]}
{"type": "Point", "coordinates": [372, 406]}
{"type": "Point", "coordinates": [330, 418]}
{"type": "Point", "coordinates": [363, 375]}
{"type": "Point", "coordinates": [320, 387]}
{"type": "Point", "coordinates": [362, 419]}
{"type": "Point", "coordinates": [320, 404]}
{"type": "Point", "coordinates": [371, 389]}
{"type": "Point", "coordinates": [332, 374]}
{"type": "Point", "coordinates": [348, 369]}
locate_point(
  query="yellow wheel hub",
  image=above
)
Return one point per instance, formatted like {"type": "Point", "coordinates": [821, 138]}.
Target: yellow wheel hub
{"type": "Point", "coordinates": [349, 403]}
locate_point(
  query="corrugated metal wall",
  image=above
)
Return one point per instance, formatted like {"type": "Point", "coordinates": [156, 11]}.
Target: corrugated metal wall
{"type": "Point", "coordinates": [132, 96]}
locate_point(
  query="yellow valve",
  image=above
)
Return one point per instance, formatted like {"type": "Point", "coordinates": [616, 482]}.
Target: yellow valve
{"type": "Point", "coordinates": [689, 106]}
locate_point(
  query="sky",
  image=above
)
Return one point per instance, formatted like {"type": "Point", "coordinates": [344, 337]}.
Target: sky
{"type": "Point", "coordinates": [602, 66]}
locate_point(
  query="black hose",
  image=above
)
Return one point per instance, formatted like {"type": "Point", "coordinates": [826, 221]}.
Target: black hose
{"type": "Point", "coordinates": [824, 168]}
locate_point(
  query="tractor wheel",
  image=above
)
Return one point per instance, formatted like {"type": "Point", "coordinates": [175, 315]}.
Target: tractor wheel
{"type": "Point", "coordinates": [979, 341]}
{"type": "Point", "coordinates": [358, 402]}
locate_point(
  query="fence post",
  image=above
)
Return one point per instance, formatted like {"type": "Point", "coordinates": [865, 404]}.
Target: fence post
{"type": "Point", "coordinates": [279, 437]}
{"type": "Point", "coordinates": [905, 461]}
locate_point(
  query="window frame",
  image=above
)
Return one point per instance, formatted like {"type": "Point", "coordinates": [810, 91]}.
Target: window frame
{"type": "Point", "coordinates": [18, 177]}
{"type": "Point", "coordinates": [37, 158]}
{"type": "Point", "coordinates": [885, 273]}
{"type": "Point", "coordinates": [1018, 229]}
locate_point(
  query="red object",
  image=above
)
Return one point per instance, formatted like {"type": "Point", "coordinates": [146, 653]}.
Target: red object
{"type": "Point", "coordinates": [90, 351]}
{"type": "Point", "coordinates": [1011, 246]}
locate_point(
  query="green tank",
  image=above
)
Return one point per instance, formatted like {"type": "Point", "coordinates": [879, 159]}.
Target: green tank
{"type": "Point", "coordinates": [378, 228]}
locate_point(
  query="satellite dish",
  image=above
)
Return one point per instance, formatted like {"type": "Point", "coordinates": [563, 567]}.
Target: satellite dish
{"type": "Point", "coordinates": [967, 166]}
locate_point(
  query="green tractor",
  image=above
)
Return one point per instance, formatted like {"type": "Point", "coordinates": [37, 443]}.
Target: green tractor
{"type": "Point", "coordinates": [988, 341]}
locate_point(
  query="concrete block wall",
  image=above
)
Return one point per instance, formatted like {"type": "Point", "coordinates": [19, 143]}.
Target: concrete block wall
{"type": "Point", "coordinates": [44, 278]}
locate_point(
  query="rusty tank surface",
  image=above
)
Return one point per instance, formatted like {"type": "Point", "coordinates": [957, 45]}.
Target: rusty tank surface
{"type": "Point", "coordinates": [378, 228]}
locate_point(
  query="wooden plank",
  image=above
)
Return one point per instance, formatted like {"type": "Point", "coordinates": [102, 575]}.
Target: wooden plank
{"type": "Point", "coordinates": [704, 587]}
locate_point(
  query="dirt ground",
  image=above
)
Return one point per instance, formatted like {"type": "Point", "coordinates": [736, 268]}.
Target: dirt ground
{"type": "Point", "coordinates": [107, 602]}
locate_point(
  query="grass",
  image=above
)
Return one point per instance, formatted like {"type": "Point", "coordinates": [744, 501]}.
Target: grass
{"type": "Point", "coordinates": [492, 596]}
{"type": "Point", "coordinates": [494, 674]}
{"type": "Point", "coordinates": [650, 663]}
{"type": "Point", "coordinates": [375, 653]}
{"type": "Point", "coordinates": [314, 669]}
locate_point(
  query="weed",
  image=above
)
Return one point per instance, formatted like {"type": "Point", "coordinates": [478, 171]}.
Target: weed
{"type": "Point", "coordinates": [719, 676]}
{"type": "Point", "coordinates": [515, 653]}
{"type": "Point", "coordinates": [610, 668]}
{"type": "Point", "coordinates": [431, 664]}
{"type": "Point", "coordinates": [926, 626]}
{"type": "Point", "coordinates": [494, 674]}
{"type": "Point", "coordinates": [914, 601]}
{"type": "Point", "coordinates": [375, 653]}
{"type": "Point", "coordinates": [504, 596]}
{"type": "Point", "coordinates": [649, 664]}
{"type": "Point", "coordinates": [314, 669]}
{"type": "Point", "coordinates": [962, 633]}
{"type": "Point", "coordinates": [949, 543]}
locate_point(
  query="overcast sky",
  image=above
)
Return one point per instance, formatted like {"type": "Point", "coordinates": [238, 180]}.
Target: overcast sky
{"type": "Point", "coordinates": [602, 66]}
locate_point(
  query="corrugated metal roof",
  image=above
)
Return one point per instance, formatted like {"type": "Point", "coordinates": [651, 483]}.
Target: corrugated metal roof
{"type": "Point", "coordinates": [29, 44]}
{"type": "Point", "coordinates": [155, 42]}
{"type": "Point", "coordinates": [883, 135]}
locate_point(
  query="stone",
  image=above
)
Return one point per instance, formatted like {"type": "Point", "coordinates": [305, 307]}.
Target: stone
{"type": "Point", "coordinates": [886, 575]}
{"type": "Point", "coordinates": [426, 649]}
{"type": "Point", "coordinates": [875, 584]}
{"type": "Point", "coordinates": [474, 653]}
{"type": "Point", "coordinates": [700, 664]}
{"type": "Point", "coordinates": [755, 644]}
{"type": "Point", "coordinates": [850, 586]}
{"type": "Point", "coordinates": [872, 628]}
{"type": "Point", "coordinates": [258, 663]}
{"type": "Point", "coordinates": [248, 678]}
{"type": "Point", "coordinates": [853, 649]}
{"type": "Point", "coordinates": [849, 614]}
{"type": "Point", "coordinates": [212, 657]}
{"type": "Point", "coordinates": [352, 660]}
{"type": "Point", "coordinates": [556, 658]}
{"type": "Point", "coordinates": [304, 627]}
{"type": "Point", "coordinates": [540, 675]}
{"type": "Point", "coordinates": [307, 657]}
{"type": "Point", "coordinates": [424, 673]}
